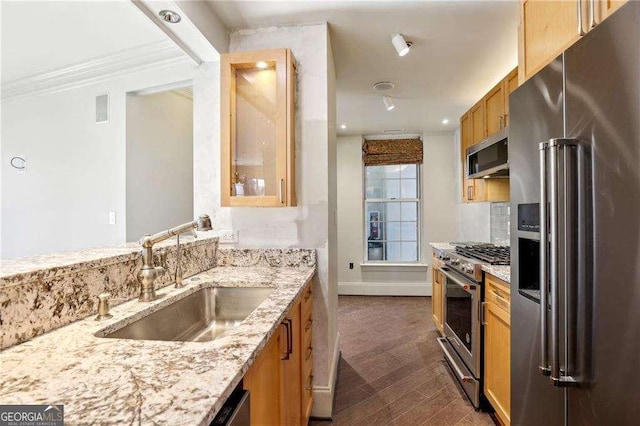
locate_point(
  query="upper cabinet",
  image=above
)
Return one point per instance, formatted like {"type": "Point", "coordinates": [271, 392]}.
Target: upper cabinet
{"type": "Point", "coordinates": [547, 28]}
{"type": "Point", "coordinates": [258, 128]}
{"type": "Point", "coordinates": [489, 115]}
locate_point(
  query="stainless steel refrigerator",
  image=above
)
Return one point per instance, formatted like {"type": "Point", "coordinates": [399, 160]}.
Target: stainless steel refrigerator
{"type": "Point", "coordinates": [574, 154]}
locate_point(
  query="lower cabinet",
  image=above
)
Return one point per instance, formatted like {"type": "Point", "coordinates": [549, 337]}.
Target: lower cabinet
{"type": "Point", "coordinates": [437, 295]}
{"type": "Point", "coordinates": [497, 347]}
{"type": "Point", "coordinates": [280, 379]}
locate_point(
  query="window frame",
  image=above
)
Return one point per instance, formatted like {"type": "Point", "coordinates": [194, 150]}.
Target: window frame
{"type": "Point", "coordinates": [419, 219]}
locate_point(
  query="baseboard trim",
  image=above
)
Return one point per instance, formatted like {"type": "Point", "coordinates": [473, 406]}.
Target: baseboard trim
{"type": "Point", "coordinates": [384, 289]}
{"type": "Point", "coordinates": [323, 395]}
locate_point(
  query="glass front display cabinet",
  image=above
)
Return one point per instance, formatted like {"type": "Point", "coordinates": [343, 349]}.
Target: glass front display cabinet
{"type": "Point", "coordinates": [258, 128]}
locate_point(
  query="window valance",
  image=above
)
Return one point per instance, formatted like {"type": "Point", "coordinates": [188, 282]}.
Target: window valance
{"type": "Point", "coordinates": [391, 151]}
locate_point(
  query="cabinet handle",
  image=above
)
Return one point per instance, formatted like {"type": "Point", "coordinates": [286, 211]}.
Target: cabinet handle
{"type": "Point", "coordinates": [498, 293]}
{"type": "Point", "coordinates": [309, 352]}
{"type": "Point", "coordinates": [504, 121]}
{"type": "Point", "coordinates": [287, 325]}
{"type": "Point", "coordinates": [290, 338]}
{"type": "Point", "coordinates": [281, 191]}
{"type": "Point", "coordinates": [308, 326]}
{"type": "Point", "coordinates": [483, 317]}
{"type": "Point", "coordinates": [579, 10]}
{"type": "Point", "coordinates": [469, 193]}
{"type": "Point", "coordinates": [592, 13]}
{"type": "Point", "coordinates": [500, 121]}
{"type": "Point", "coordinates": [308, 295]}
{"type": "Point", "coordinates": [310, 381]}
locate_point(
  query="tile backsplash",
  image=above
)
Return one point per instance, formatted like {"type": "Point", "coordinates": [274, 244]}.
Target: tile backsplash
{"type": "Point", "coordinates": [500, 223]}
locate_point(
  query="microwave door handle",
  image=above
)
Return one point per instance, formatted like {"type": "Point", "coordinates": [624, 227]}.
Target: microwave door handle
{"type": "Point", "coordinates": [544, 261]}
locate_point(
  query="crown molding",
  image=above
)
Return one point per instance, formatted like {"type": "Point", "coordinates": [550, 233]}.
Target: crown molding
{"type": "Point", "coordinates": [96, 70]}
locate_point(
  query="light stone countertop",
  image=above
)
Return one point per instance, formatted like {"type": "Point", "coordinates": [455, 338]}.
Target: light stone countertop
{"type": "Point", "coordinates": [15, 270]}
{"type": "Point", "coordinates": [119, 381]}
{"type": "Point", "coordinates": [501, 271]}
{"type": "Point", "coordinates": [439, 247]}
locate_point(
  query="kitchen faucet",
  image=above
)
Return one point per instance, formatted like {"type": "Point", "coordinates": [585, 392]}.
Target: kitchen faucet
{"type": "Point", "coordinates": [149, 273]}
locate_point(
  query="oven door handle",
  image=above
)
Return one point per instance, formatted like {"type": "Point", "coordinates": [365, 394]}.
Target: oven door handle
{"type": "Point", "coordinates": [467, 286]}
{"type": "Point", "coordinates": [461, 375]}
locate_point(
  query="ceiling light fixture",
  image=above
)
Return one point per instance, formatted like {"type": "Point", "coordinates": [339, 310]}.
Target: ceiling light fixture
{"type": "Point", "coordinates": [388, 102]}
{"type": "Point", "coordinates": [383, 86]}
{"type": "Point", "coordinates": [262, 65]}
{"type": "Point", "coordinates": [343, 126]}
{"type": "Point", "coordinates": [402, 46]}
{"type": "Point", "coordinates": [445, 121]}
{"type": "Point", "coordinates": [169, 16]}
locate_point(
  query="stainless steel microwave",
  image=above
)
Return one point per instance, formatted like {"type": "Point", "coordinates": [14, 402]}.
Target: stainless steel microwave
{"type": "Point", "coordinates": [489, 158]}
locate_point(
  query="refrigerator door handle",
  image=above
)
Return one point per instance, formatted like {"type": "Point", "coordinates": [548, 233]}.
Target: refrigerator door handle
{"type": "Point", "coordinates": [544, 263]}
{"type": "Point", "coordinates": [558, 377]}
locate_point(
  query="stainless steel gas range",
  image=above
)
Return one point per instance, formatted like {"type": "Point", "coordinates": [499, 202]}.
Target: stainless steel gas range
{"type": "Point", "coordinates": [462, 341]}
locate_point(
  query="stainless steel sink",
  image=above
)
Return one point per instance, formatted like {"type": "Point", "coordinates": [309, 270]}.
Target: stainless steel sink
{"type": "Point", "coordinates": [202, 316]}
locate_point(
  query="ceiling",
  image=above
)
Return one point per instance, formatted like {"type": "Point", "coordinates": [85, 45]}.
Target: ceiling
{"type": "Point", "coordinates": [460, 50]}
{"type": "Point", "coordinates": [39, 36]}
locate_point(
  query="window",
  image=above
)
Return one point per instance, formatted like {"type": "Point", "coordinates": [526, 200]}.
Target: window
{"type": "Point", "coordinates": [392, 211]}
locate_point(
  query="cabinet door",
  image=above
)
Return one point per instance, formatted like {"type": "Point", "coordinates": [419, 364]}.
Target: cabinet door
{"type": "Point", "coordinates": [264, 381]}
{"type": "Point", "coordinates": [546, 29]}
{"type": "Point", "coordinates": [465, 142]}
{"type": "Point", "coordinates": [497, 360]}
{"type": "Point", "coordinates": [437, 299]}
{"type": "Point", "coordinates": [478, 130]}
{"type": "Point", "coordinates": [511, 84]}
{"type": "Point", "coordinates": [495, 108]}
{"type": "Point", "coordinates": [291, 370]}
{"type": "Point", "coordinates": [257, 128]}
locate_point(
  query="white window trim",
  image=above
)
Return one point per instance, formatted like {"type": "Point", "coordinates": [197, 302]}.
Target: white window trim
{"type": "Point", "coordinates": [416, 265]}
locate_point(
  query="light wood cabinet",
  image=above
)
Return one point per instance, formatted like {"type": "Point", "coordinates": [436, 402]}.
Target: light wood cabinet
{"type": "Point", "coordinates": [497, 347]}
{"type": "Point", "coordinates": [489, 115]}
{"type": "Point", "coordinates": [547, 28]}
{"type": "Point", "coordinates": [264, 380]}
{"type": "Point", "coordinates": [257, 128]}
{"type": "Point", "coordinates": [437, 295]}
{"type": "Point", "coordinates": [281, 378]}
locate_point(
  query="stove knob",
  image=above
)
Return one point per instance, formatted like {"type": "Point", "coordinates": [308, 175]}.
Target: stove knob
{"type": "Point", "coordinates": [469, 269]}
{"type": "Point", "coordinates": [455, 261]}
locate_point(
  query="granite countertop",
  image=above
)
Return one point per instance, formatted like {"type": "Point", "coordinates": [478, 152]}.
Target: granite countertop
{"type": "Point", "coordinates": [439, 247]}
{"type": "Point", "coordinates": [118, 381]}
{"type": "Point", "coordinates": [14, 270]}
{"type": "Point", "coordinates": [501, 271]}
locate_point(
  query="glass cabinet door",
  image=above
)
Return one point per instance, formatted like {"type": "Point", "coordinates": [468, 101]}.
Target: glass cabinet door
{"type": "Point", "coordinates": [257, 128]}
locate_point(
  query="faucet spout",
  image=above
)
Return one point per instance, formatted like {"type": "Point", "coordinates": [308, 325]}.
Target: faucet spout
{"type": "Point", "coordinates": [149, 273]}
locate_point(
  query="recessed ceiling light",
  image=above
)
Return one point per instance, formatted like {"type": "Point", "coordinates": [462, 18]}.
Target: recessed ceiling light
{"type": "Point", "coordinates": [169, 16]}
{"type": "Point", "coordinates": [445, 121]}
{"type": "Point", "coordinates": [388, 102]}
{"type": "Point", "coordinates": [343, 126]}
{"type": "Point", "coordinates": [262, 64]}
{"type": "Point", "coordinates": [383, 86]}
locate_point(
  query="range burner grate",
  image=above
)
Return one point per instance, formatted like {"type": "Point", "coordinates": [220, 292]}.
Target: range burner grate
{"type": "Point", "coordinates": [494, 255]}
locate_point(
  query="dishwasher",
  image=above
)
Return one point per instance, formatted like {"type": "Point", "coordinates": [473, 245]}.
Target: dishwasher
{"type": "Point", "coordinates": [235, 411]}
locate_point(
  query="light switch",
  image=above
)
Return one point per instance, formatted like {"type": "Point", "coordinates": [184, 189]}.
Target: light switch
{"type": "Point", "coordinates": [112, 218]}
{"type": "Point", "coordinates": [102, 108]}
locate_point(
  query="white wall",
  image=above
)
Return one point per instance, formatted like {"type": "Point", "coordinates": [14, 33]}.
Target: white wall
{"type": "Point", "coordinates": [438, 219]}
{"type": "Point", "coordinates": [309, 224]}
{"type": "Point", "coordinates": [159, 139]}
{"type": "Point", "coordinates": [473, 219]}
{"type": "Point", "coordinates": [75, 167]}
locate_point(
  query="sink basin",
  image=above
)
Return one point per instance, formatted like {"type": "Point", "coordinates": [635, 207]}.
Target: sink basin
{"type": "Point", "coordinates": [200, 317]}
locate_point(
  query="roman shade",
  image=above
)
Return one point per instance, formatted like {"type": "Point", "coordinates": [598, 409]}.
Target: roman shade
{"type": "Point", "coordinates": [391, 151]}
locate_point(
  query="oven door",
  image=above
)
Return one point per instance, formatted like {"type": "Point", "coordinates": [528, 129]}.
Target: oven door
{"type": "Point", "coordinates": [461, 318]}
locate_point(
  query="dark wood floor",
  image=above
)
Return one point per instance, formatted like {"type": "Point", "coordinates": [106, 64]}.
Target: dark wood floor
{"type": "Point", "coordinates": [392, 371]}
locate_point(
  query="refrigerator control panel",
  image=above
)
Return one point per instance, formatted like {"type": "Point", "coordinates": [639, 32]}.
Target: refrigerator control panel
{"type": "Point", "coordinates": [529, 217]}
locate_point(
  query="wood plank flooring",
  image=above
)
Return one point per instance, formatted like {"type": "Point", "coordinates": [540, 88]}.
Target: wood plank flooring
{"type": "Point", "coordinates": [392, 371]}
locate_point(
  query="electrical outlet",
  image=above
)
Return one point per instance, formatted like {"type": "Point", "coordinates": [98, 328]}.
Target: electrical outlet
{"type": "Point", "coordinates": [228, 236]}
